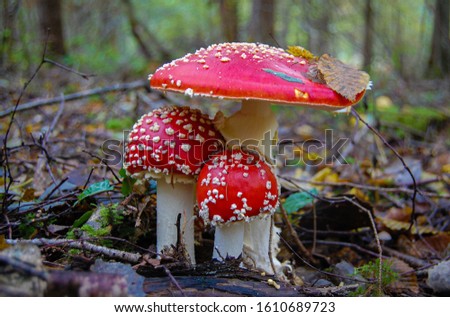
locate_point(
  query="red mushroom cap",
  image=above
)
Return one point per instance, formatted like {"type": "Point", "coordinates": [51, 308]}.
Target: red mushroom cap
{"type": "Point", "coordinates": [170, 141]}
{"type": "Point", "coordinates": [250, 71]}
{"type": "Point", "coordinates": [235, 186]}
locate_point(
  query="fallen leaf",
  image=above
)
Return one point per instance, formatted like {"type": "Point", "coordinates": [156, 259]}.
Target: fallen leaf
{"type": "Point", "coordinates": [342, 78]}
{"type": "Point", "coordinates": [405, 282]}
{"type": "Point", "coordinates": [396, 225]}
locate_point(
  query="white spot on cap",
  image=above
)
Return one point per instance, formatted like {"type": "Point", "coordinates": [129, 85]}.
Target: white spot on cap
{"type": "Point", "coordinates": [170, 131]}
{"type": "Point", "coordinates": [156, 139]}
{"type": "Point", "coordinates": [188, 127]}
{"type": "Point", "coordinates": [178, 83]}
{"type": "Point", "coordinates": [186, 147]}
{"type": "Point", "coordinates": [225, 59]}
{"type": "Point", "coordinates": [269, 185]}
{"type": "Point", "coordinates": [189, 92]}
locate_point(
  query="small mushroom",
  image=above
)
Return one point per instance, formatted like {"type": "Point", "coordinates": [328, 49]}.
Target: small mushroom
{"type": "Point", "coordinates": [233, 188]}
{"type": "Point", "coordinates": [169, 145]}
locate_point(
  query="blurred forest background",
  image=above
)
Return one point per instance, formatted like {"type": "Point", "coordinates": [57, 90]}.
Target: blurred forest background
{"type": "Point", "coordinates": [54, 173]}
{"type": "Point", "coordinates": [393, 40]}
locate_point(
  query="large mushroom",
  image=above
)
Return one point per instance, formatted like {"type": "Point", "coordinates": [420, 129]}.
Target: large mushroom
{"type": "Point", "coordinates": [169, 145]}
{"type": "Point", "coordinates": [235, 187]}
{"type": "Point", "coordinates": [259, 75]}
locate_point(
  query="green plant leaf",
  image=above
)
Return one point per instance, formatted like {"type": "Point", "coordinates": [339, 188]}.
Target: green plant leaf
{"type": "Point", "coordinates": [299, 200]}
{"type": "Point", "coordinates": [82, 220]}
{"type": "Point", "coordinates": [127, 183]}
{"type": "Point", "coordinates": [95, 189]}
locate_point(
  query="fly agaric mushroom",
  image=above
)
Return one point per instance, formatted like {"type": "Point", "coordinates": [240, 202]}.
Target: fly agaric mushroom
{"type": "Point", "coordinates": [260, 75]}
{"type": "Point", "coordinates": [233, 188]}
{"type": "Point", "coordinates": [169, 145]}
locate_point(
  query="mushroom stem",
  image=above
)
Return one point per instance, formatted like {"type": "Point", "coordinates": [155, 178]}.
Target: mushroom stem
{"type": "Point", "coordinates": [257, 243]}
{"type": "Point", "coordinates": [254, 122]}
{"type": "Point", "coordinates": [171, 201]}
{"type": "Point", "coordinates": [253, 125]}
{"type": "Point", "coordinates": [228, 240]}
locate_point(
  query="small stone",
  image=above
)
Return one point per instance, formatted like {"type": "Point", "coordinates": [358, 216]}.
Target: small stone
{"type": "Point", "coordinates": [439, 278]}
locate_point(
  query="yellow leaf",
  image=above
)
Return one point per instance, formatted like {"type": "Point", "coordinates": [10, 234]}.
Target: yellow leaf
{"type": "Point", "coordinates": [396, 225]}
{"type": "Point", "coordinates": [359, 194]}
{"type": "Point", "coordinates": [322, 174]}
{"type": "Point", "coordinates": [446, 168]}
{"type": "Point", "coordinates": [3, 244]}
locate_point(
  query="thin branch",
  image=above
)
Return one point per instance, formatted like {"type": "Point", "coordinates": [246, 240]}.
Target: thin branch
{"type": "Point", "coordinates": [377, 239]}
{"type": "Point", "coordinates": [172, 279]}
{"type": "Point", "coordinates": [83, 245]}
{"type": "Point", "coordinates": [319, 270]}
{"type": "Point", "coordinates": [23, 267]}
{"type": "Point", "coordinates": [386, 143]}
{"type": "Point", "coordinates": [294, 235]}
{"type": "Point", "coordinates": [75, 96]}
{"type": "Point", "coordinates": [366, 187]}
{"type": "Point", "coordinates": [83, 75]}
{"type": "Point", "coordinates": [103, 161]}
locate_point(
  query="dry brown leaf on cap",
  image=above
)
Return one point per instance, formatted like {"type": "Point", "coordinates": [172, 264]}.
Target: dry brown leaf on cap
{"type": "Point", "coordinates": [342, 78]}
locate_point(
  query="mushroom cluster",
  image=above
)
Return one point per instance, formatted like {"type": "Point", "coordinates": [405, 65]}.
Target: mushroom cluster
{"type": "Point", "coordinates": [169, 145]}
{"type": "Point", "coordinates": [258, 75]}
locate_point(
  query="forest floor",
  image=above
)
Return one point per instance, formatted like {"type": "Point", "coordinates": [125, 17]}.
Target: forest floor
{"type": "Point", "coordinates": [63, 192]}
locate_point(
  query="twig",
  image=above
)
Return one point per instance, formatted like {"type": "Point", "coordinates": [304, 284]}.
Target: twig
{"type": "Point", "coordinates": [319, 270]}
{"type": "Point", "coordinates": [377, 239]}
{"type": "Point", "coordinates": [102, 160]}
{"type": "Point", "coordinates": [83, 75]}
{"type": "Point", "coordinates": [55, 120]}
{"type": "Point", "coordinates": [172, 279]}
{"type": "Point", "coordinates": [411, 260]}
{"type": "Point", "coordinates": [23, 267]}
{"type": "Point", "coordinates": [378, 134]}
{"type": "Point", "coordinates": [82, 245]}
{"type": "Point", "coordinates": [78, 95]}
{"type": "Point", "coordinates": [362, 186]}
{"type": "Point", "coordinates": [55, 188]}
{"type": "Point", "coordinates": [5, 159]}
{"type": "Point", "coordinates": [294, 235]}
{"type": "Point", "coordinates": [345, 244]}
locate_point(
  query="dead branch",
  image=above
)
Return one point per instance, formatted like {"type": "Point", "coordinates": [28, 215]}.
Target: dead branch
{"type": "Point", "coordinates": [366, 187]}
{"type": "Point", "coordinates": [82, 245]}
{"type": "Point", "coordinates": [377, 239]}
{"type": "Point", "coordinates": [405, 166]}
{"type": "Point", "coordinates": [75, 96]}
{"type": "Point", "coordinates": [294, 236]}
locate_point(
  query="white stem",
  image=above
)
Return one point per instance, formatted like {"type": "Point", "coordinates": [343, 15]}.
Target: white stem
{"type": "Point", "coordinates": [255, 122]}
{"type": "Point", "coordinates": [171, 201]}
{"type": "Point", "coordinates": [257, 244]}
{"type": "Point", "coordinates": [228, 240]}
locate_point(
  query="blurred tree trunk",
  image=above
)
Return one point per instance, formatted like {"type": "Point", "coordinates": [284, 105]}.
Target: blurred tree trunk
{"type": "Point", "coordinates": [261, 28]}
{"type": "Point", "coordinates": [50, 20]}
{"type": "Point", "coordinates": [439, 61]}
{"type": "Point", "coordinates": [318, 15]}
{"type": "Point", "coordinates": [229, 19]}
{"type": "Point", "coordinates": [144, 36]}
{"type": "Point", "coordinates": [368, 36]}
{"type": "Point", "coordinates": [8, 34]}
